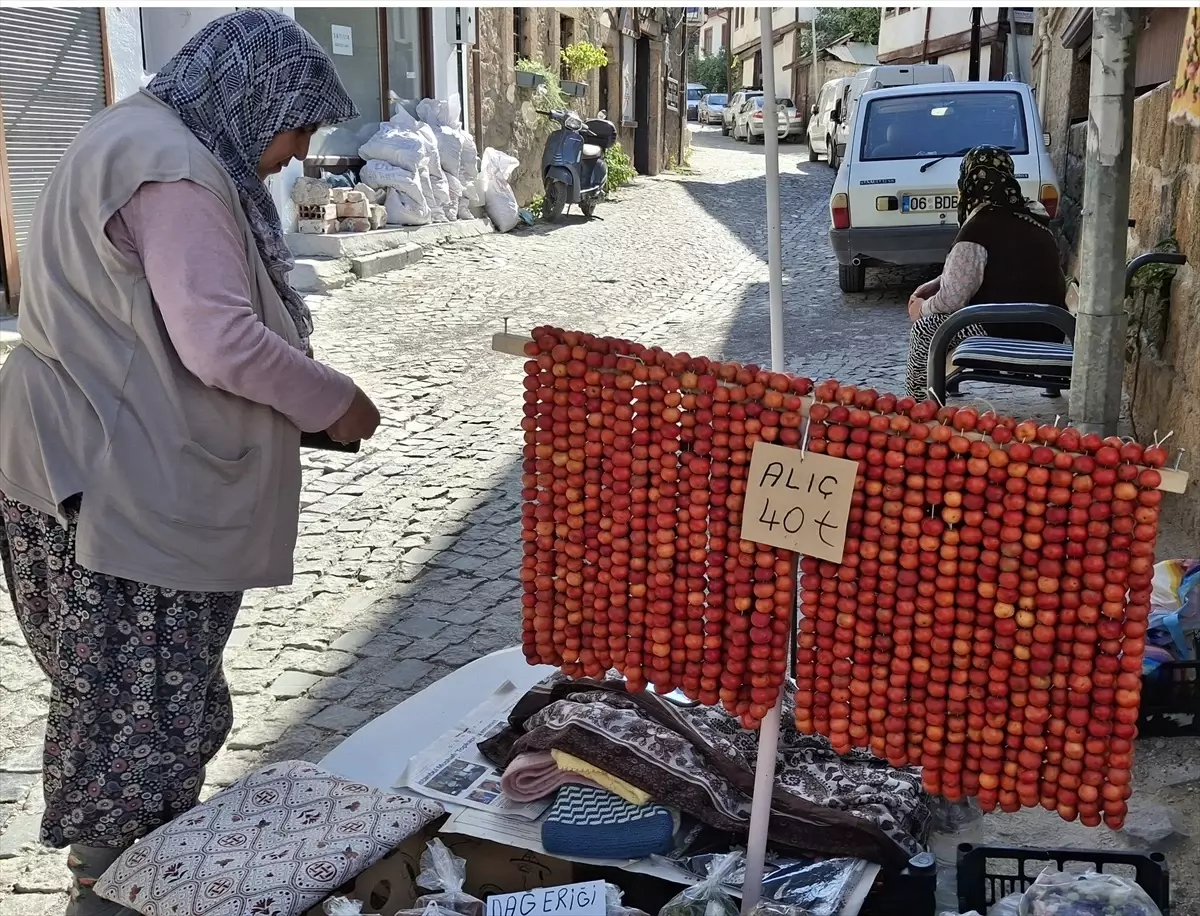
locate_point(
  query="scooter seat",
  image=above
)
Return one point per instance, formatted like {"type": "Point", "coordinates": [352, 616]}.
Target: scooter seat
{"type": "Point", "coordinates": [592, 151]}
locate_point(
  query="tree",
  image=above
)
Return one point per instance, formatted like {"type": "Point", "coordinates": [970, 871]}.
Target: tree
{"type": "Point", "coordinates": [709, 71]}
{"type": "Point", "coordinates": [860, 23]}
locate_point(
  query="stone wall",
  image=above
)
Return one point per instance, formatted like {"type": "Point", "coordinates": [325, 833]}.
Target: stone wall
{"type": "Point", "coordinates": [1162, 376]}
{"type": "Point", "coordinates": [509, 120]}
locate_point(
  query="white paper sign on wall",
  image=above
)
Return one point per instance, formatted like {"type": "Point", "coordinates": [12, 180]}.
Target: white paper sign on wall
{"type": "Point", "coordinates": [584, 899]}
{"type": "Point", "coordinates": [343, 40]}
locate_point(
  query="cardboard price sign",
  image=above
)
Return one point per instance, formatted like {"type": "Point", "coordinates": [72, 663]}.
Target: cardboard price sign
{"type": "Point", "coordinates": [586, 899]}
{"type": "Point", "coordinates": [798, 501]}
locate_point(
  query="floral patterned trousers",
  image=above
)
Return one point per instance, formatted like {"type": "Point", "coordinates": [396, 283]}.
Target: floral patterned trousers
{"type": "Point", "coordinates": [138, 701]}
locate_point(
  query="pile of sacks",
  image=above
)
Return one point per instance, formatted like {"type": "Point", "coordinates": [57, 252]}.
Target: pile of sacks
{"type": "Point", "coordinates": [427, 165]}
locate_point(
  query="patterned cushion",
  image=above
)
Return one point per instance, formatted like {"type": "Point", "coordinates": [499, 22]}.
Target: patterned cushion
{"type": "Point", "coordinates": [274, 843]}
{"type": "Point", "coordinates": [1027, 356]}
{"type": "Point", "coordinates": [597, 824]}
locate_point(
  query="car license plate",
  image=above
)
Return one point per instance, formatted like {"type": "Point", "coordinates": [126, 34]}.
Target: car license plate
{"type": "Point", "coordinates": [929, 203]}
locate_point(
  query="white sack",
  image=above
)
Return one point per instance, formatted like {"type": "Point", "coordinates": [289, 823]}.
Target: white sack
{"type": "Point", "coordinates": [499, 199]}
{"type": "Point", "coordinates": [380, 174]}
{"type": "Point", "coordinates": [402, 211]}
{"type": "Point", "coordinates": [404, 148]}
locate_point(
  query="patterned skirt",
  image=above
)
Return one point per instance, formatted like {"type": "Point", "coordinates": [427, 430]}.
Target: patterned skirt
{"type": "Point", "coordinates": [916, 382]}
{"type": "Point", "coordinates": [138, 701]}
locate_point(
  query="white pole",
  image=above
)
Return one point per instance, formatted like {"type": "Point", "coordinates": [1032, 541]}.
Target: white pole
{"type": "Point", "coordinates": [768, 736]}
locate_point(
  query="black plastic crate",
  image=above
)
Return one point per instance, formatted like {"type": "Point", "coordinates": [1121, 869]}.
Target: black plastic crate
{"type": "Point", "coordinates": [990, 873]}
{"type": "Point", "coordinates": [1171, 701]}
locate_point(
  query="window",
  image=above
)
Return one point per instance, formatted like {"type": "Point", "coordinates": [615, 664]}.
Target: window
{"type": "Point", "coordinates": [943, 124]}
{"type": "Point", "coordinates": [404, 61]}
{"type": "Point", "coordinates": [356, 58]}
{"type": "Point", "coordinates": [566, 32]}
{"type": "Point", "coordinates": [518, 29]}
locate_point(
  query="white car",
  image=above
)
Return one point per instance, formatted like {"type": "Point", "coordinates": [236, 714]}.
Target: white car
{"type": "Point", "coordinates": [821, 125]}
{"type": "Point", "coordinates": [733, 106]}
{"type": "Point", "coordinates": [748, 122]}
{"type": "Point", "coordinates": [895, 199]}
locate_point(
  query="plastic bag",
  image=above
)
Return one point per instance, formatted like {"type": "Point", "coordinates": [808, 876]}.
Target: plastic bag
{"type": "Point", "coordinates": [443, 871]}
{"type": "Point", "coordinates": [818, 886]}
{"type": "Point", "coordinates": [709, 897]}
{"type": "Point", "coordinates": [499, 199]}
{"type": "Point", "coordinates": [1006, 906]}
{"type": "Point", "coordinates": [441, 112]}
{"type": "Point", "coordinates": [613, 905]}
{"type": "Point", "coordinates": [772, 908]}
{"type": "Point", "coordinates": [1088, 893]}
{"type": "Point", "coordinates": [341, 906]}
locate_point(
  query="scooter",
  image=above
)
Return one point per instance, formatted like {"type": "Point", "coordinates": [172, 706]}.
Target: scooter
{"type": "Point", "coordinates": [573, 166]}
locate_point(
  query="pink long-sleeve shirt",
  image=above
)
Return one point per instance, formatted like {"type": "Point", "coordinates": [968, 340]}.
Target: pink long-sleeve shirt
{"type": "Point", "coordinates": [194, 260]}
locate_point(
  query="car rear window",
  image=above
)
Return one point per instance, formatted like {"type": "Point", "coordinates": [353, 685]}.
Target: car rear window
{"type": "Point", "coordinates": [943, 124]}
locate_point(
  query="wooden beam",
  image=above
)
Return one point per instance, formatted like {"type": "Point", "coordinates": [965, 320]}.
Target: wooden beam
{"type": "Point", "coordinates": [1173, 481]}
{"type": "Point", "coordinates": [385, 90]}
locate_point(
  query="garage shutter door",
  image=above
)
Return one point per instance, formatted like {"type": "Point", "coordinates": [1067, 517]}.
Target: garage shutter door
{"type": "Point", "coordinates": [51, 83]}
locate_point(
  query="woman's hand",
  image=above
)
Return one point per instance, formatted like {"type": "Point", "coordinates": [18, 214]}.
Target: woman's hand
{"type": "Point", "coordinates": [915, 304]}
{"type": "Point", "coordinates": [925, 290]}
{"type": "Point", "coordinates": [360, 420]}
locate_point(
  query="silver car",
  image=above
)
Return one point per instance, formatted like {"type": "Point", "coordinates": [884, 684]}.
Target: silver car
{"type": "Point", "coordinates": [736, 101]}
{"type": "Point", "coordinates": [748, 123]}
{"type": "Point", "coordinates": [712, 108]}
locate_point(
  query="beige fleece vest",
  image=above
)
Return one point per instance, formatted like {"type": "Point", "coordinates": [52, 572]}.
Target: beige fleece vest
{"type": "Point", "coordinates": [183, 486]}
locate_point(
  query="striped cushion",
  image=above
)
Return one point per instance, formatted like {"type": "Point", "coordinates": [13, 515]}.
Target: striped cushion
{"type": "Point", "coordinates": [999, 353]}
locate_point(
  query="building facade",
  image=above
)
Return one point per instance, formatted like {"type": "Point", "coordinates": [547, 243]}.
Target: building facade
{"type": "Point", "coordinates": [641, 88]}
{"type": "Point", "coordinates": [787, 22]}
{"type": "Point", "coordinates": [714, 34]}
{"type": "Point", "coordinates": [58, 67]}
{"type": "Point", "coordinates": [942, 35]}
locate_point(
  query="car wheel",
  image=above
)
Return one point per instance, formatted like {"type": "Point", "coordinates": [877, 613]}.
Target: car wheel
{"type": "Point", "coordinates": [852, 278]}
{"type": "Point", "coordinates": [724, 129]}
{"type": "Point", "coordinates": [812, 154]}
{"type": "Point", "coordinates": [832, 156]}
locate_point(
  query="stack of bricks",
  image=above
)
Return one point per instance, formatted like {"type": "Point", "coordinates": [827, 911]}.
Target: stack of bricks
{"type": "Point", "coordinates": [322, 209]}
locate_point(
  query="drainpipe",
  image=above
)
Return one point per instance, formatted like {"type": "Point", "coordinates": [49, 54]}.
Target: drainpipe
{"type": "Point", "coordinates": [925, 40]}
{"type": "Point", "coordinates": [1099, 363]}
{"type": "Point", "coordinates": [1043, 68]}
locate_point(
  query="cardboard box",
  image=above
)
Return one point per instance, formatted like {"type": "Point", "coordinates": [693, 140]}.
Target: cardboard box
{"type": "Point", "coordinates": [390, 885]}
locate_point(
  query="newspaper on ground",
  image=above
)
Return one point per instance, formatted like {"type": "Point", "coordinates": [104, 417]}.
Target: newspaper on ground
{"type": "Point", "coordinates": [452, 769]}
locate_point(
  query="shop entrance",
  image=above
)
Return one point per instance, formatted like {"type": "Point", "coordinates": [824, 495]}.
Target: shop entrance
{"type": "Point", "coordinates": [641, 107]}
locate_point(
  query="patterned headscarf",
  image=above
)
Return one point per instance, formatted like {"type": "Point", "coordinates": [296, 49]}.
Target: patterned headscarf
{"type": "Point", "coordinates": [239, 82]}
{"type": "Point", "coordinates": [987, 177]}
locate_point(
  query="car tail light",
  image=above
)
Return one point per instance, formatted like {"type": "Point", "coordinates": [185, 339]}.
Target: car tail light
{"type": "Point", "coordinates": [1048, 197]}
{"type": "Point", "coordinates": [758, 115]}
{"type": "Point", "coordinates": [840, 207]}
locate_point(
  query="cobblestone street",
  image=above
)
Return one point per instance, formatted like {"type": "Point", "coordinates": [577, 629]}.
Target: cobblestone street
{"type": "Point", "coordinates": [408, 552]}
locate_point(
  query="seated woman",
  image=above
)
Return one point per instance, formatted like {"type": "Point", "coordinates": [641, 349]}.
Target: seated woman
{"type": "Point", "coordinates": [1005, 252]}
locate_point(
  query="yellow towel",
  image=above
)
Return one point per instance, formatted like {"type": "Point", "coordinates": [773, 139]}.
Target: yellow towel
{"type": "Point", "coordinates": [570, 764]}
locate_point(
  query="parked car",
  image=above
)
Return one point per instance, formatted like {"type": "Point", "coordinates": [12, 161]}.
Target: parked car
{"type": "Point", "coordinates": [712, 107]}
{"type": "Point", "coordinates": [736, 101]}
{"type": "Point", "coordinates": [880, 77]}
{"type": "Point", "coordinates": [695, 92]}
{"type": "Point", "coordinates": [895, 200]}
{"type": "Point", "coordinates": [821, 124]}
{"type": "Point", "coordinates": [748, 123]}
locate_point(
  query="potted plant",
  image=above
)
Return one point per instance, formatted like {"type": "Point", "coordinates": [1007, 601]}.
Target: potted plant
{"type": "Point", "coordinates": [530, 75]}
{"type": "Point", "coordinates": [580, 59]}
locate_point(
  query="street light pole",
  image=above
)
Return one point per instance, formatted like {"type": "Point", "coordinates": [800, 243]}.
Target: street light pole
{"type": "Point", "coordinates": [1098, 368]}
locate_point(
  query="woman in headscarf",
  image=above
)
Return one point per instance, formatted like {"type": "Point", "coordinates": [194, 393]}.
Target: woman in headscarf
{"type": "Point", "coordinates": [1005, 252]}
{"type": "Point", "coordinates": [149, 463]}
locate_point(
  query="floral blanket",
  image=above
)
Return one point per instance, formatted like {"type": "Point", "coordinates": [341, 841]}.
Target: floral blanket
{"type": "Point", "coordinates": [701, 761]}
